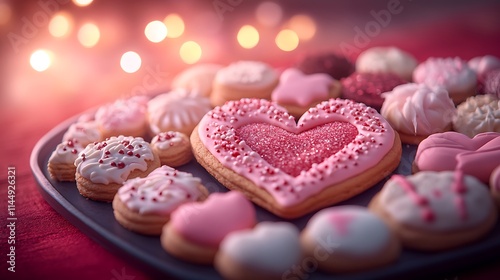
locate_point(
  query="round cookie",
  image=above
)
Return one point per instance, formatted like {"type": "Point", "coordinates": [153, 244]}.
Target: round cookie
{"type": "Point", "coordinates": [495, 185]}
{"type": "Point", "coordinates": [298, 92]}
{"type": "Point", "coordinates": [61, 162]}
{"type": "Point", "coordinates": [348, 239]}
{"type": "Point", "coordinates": [416, 111]}
{"type": "Point", "coordinates": [144, 204]}
{"type": "Point", "coordinates": [482, 65]}
{"type": "Point", "coordinates": [480, 113]}
{"type": "Point", "coordinates": [103, 167]}
{"type": "Point", "coordinates": [242, 79]}
{"type": "Point", "coordinates": [433, 211]}
{"type": "Point", "coordinates": [386, 60]}
{"type": "Point", "coordinates": [172, 147]}
{"type": "Point", "coordinates": [492, 83]}
{"type": "Point", "coordinates": [367, 88]}
{"type": "Point", "coordinates": [453, 74]}
{"type": "Point", "coordinates": [85, 132]}
{"type": "Point", "coordinates": [268, 251]}
{"type": "Point", "coordinates": [198, 78]}
{"type": "Point", "coordinates": [335, 65]}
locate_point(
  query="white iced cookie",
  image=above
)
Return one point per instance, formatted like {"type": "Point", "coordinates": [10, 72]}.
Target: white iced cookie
{"type": "Point", "coordinates": [484, 64]}
{"type": "Point", "coordinates": [387, 59]}
{"type": "Point", "coordinates": [173, 148]}
{"type": "Point", "coordinates": [198, 78]}
{"type": "Point", "coordinates": [60, 165]}
{"type": "Point", "coordinates": [264, 252]}
{"type": "Point", "coordinates": [84, 132]}
{"type": "Point", "coordinates": [349, 238]}
{"type": "Point", "coordinates": [480, 113]}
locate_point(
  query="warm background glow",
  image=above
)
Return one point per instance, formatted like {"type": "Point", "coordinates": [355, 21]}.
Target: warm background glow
{"type": "Point", "coordinates": [5, 13]}
{"type": "Point", "coordinates": [130, 62]}
{"type": "Point", "coordinates": [175, 25]}
{"type": "Point", "coordinates": [89, 35]}
{"type": "Point", "coordinates": [82, 3]}
{"type": "Point", "coordinates": [248, 36]}
{"type": "Point", "coordinates": [304, 26]}
{"type": "Point", "coordinates": [40, 60]}
{"type": "Point", "coordinates": [287, 40]}
{"type": "Point", "coordinates": [269, 14]}
{"type": "Point", "coordinates": [156, 31]}
{"type": "Point", "coordinates": [61, 25]}
{"type": "Point", "coordinates": [190, 52]}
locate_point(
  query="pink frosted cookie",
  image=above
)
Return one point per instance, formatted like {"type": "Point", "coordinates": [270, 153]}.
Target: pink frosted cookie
{"type": "Point", "coordinates": [123, 117]}
{"type": "Point", "coordinates": [85, 132]}
{"type": "Point", "coordinates": [173, 148]}
{"type": "Point", "coordinates": [433, 211]}
{"type": "Point", "coordinates": [196, 229]}
{"type": "Point", "coordinates": [268, 251]}
{"type": "Point", "coordinates": [387, 60]}
{"type": "Point", "coordinates": [336, 150]}
{"type": "Point", "coordinates": [298, 92]}
{"type": "Point", "coordinates": [197, 79]}
{"type": "Point", "coordinates": [495, 185]}
{"type": "Point", "coordinates": [349, 238]}
{"type": "Point", "coordinates": [61, 162]}
{"type": "Point", "coordinates": [453, 74]}
{"type": "Point", "coordinates": [416, 111]}
{"type": "Point", "coordinates": [492, 83]}
{"type": "Point", "coordinates": [482, 65]}
{"type": "Point", "coordinates": [455, 151]}
{"type": "Point", "coordinates": [103, 167]}
{"type": "Point", "coordinates": [480, 113]}
{"type": "Point", "coordinates": [367, 88]}
{"type": "Point", "coordinates": [242, 79]}
{"type": "Point", "coordinates": [177, 110]}
{"type": "Point", "coordinates": [144, 204]}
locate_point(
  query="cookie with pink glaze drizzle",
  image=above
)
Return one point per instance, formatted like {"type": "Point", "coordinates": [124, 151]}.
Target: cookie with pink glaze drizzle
{"type": "Point", "coordinates": [61, 162]}
{"type": "Point", "coordinates": [336, 150]}
{"type": "Point", "coordinates": [436, 210]}
{"type": "Point", "coordinates": [196, 229]}
{"type": "Point", "coordinates": [349, 238]}
{"type": "Point", "coordinates": [450, 150]}
{"type": "Point", "coordinates": [298, 92]}
{"type": "Point", "coordinates": [85, 132]}
{"type": "Point", "coordinates": [103, 167]}
{"type": "Point", "coordinates": [144, 204]}
{"type": "Point", "coordinates": [495, 185]}
{"type": "Point", "coordinates": [173, 148]}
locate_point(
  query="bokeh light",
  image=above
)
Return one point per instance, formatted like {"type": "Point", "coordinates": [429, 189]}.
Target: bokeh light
{"type": "Point", "coordinates": [82, 3]}
{"type": "Point", "coordinates": [287, 40]}
{"type": "Point", "coordinates": [156, 31]}
{"type": "Point", "coordinates": [5, 13]}
{"type": "Point", "coordinates": [248, 36]}
{"type": "Point", "coordinates": [175, 25]}
{"type": "Point", "coordinates": [269, 13]}
{"type": "Point", "coordinates": [130, 62]}
{"type": "Point", "coordinates": [89, 35]}
{"type": "Point", "coordinates": [304, 26]}
{"type": "Point", "coordinates": [190, 52]}
{"type": "Point", "coordinates": [61, 25]}
{"type": "Point", "coordinates": [40, 60]}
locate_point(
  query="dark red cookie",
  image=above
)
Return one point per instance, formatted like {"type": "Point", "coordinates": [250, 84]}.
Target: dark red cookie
{"type": "Point", "coordinates": [332, 64]}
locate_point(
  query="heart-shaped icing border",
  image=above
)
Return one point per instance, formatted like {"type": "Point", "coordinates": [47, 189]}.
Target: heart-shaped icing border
{"type": "Point", "coordinates": [374, 153]}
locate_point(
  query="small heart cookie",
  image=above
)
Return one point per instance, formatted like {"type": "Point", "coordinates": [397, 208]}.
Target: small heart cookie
{"type": "Point", "coordinates": [336, 150]}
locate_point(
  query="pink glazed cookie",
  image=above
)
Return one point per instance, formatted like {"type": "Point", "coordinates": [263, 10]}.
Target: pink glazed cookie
{"type": "Point", "coordinates": [196, 229]}
{"type": "Point", "coordinates": [335, 151]}
{"type": "Point", "coordinates": [349, 238]}
{"type": "Point", "coordinates": [433, 211]}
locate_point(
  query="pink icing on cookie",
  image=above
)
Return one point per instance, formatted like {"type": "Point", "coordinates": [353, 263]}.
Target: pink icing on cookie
{"type": "Point", "coordinates": [123, 114]}
{"type": "Point", "coordinates": [299, 89]}
{"type": "Point", "coordinates": [484, 64]}
{"type": "Point", "coordinates": [426, 211]}
{"type": "Point", "coordinates": [219, 130]}
{"type": "Point", "coordinates": [207, 223]}
{"type": "Point", "coordinates": [161, 191]}
{"type": "Point", "coordinates": [342, 221]}
{"type": "Point", "coordinates": [85, 132]}
{"type": "Point", "coordinates": [455, 151]}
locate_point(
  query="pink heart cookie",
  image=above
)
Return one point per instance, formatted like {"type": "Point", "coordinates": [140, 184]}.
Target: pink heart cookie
{"type": "Point", "coordinates": [196, 229]}
{"type": "Point", "coordinates": [336, 150]}
{"type": "Point", "coordinates": [449, 151]}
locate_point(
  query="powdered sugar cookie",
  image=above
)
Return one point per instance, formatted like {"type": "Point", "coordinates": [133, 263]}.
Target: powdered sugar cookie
{"type": "Point", "coordinates": [436, 210]}
{"type": "Point", "coordinates": [349, 238]}
{"type": "Point", "coordinates": [103, 167]}
{"type": "Point", "coordinates": [336, 150]}
{"type": "Point", "coordinates": [61, 162]}
{"type": "Point", "coordinates": [387, 60]}
{"type": "Point", "coordinates": [173, 148]}
{"type": "Point", "coordinates": [144, 204]}
{"type": "Point", "coordinates": [267, 251]}
{"type": "Point", "coordinates": [196, 229]}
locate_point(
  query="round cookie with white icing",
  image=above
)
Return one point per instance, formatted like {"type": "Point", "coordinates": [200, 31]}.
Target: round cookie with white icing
{"type": "Point", "coordinates": [178, 110]}
{"type": "Point", "coordinates": [387, 59]}
{"type": "Point", "coordinates": [243, 79]}
{"type": "Point", "coordinates": [61, 162]}
{"type": "Point", "coordinates": [103, 167]}
{"type": "Point", "coordinates": [144, 204]}
{"type": "Point", "coordinates": [268, 251]}
{"type": "Point", "coordinates": [349, 238]}
{"type": "Point", "coordinates": [85, 132]}
{"type": "Point", "coordinates": [197, 79]}
{"type": "Point", "coordinates": [173, 148]}
{"type": "Point", "coordinates": [480, 113]}
{"type": "Point", "coordinates": [433, 211]}
{"type": "Point", "coordinates": [416, 111]}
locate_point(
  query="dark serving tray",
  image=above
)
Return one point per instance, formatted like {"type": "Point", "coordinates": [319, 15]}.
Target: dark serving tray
{"type": "Point", "coordinates": [96, 220]}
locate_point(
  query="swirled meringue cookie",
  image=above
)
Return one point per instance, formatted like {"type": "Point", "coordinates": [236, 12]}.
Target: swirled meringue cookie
{"type": "Point", "coordinates": [198, 78]}
{"type": "Point", "coordinates": [243, 79]}
{"type": "Point", "coordinates": [417, 111]}
{"type": "Point", "coordinates": [453, 74]}
{"type": "Point", "coordinates": [480, 113]}
{"type": "Point", "coordinates": [482, 65]}
{"type": "Point", "coordinates": [178, 110]}
{"type": "Point", "coordinates": [492, 83]}
{"type": "Point", "coordinates": [387, 59]}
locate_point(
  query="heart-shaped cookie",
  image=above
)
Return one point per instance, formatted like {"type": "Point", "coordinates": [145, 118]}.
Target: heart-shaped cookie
{"type": "Point", "coordinates": [336, 150]}
{"type": "Point", "coordinates": [448, 151]}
